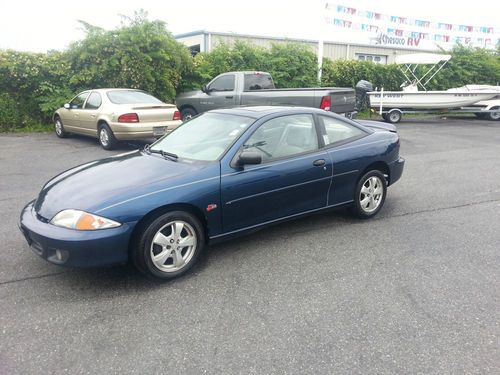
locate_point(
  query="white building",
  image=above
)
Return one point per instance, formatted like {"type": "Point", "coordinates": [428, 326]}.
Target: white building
{"type": "Point", "coordinates": [205, 41]}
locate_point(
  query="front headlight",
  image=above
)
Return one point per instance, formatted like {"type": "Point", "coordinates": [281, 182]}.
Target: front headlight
{"type": "Point", "coordinates": [81, 220]}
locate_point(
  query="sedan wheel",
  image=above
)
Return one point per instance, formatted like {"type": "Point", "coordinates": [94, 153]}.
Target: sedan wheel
{"type": "Point", "coordinates": [106, 137]}
{"type": "Point", "coordinates": [370, 194]}
{"type": "Point", "coordinates": [173, 246]}
{"type": "Point", "coordinates": [169, 245]}
{"type": "Point", "coordinates": [59, 128]}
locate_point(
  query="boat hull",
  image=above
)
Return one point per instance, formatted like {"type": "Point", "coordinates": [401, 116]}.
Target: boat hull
{"type": "Point", "coordinates": [427, 99]}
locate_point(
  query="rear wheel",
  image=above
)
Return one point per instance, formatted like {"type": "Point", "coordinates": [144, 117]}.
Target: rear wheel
{"type": "Point", "coordinates": [169, 245]}
{"type": "Point", "coordinates": [494, 116]}
{"type": "Point", "coordinates": [187, 113]}
{"type": "Point", "coordinates": [106, 137]}
{"type": "Point", "coordinates": [369, 196]}
{"type": "Point", "coordinates": [59, 128]}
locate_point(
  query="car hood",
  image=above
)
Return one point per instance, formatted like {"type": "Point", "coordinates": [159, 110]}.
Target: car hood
{"type": "Point", "coordinates": [92, 186]}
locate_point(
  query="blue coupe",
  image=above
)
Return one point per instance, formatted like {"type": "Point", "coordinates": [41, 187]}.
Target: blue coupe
{"type": "Point", "coordinates": [219, 175]}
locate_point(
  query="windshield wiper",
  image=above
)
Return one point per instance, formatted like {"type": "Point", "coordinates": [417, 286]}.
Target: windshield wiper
{"type": "Point", "coordinates": [165, 154]}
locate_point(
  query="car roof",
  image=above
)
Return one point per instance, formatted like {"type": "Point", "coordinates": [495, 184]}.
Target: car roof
{"type": "Point", "coordinates": [261, 111]}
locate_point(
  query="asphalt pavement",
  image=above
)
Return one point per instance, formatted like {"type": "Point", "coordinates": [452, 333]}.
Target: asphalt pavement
{"type": "Point", "coordinates": [415, 290]}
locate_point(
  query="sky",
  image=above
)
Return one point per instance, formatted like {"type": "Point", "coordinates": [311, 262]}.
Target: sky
{"type": "Point", "coordinates": [52, 24]}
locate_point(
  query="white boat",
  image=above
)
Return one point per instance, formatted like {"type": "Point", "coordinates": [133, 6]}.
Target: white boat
{"type": "Point", "coordinates": [391, 104]}
{"type": "Point", "coordinates": [427, 99]}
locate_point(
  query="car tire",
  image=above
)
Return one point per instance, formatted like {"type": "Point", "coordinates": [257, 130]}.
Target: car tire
{"type": "Point", "coordinates": [479, 115]}
{"type": "Point", "coordinates": [369, 195]}
{"type": "Point", "coordinates": [393, 116]}
{"type": "Point", "coordinates": [493, 116]}
{"type": "Point", "coordinates": [156, 251]}
{"type": "Point", "coordinates": [106, 137]}
{"type": "Point", "coordinates": [59, 128]}
{"type": "Point", "coordinates": [187, 113]}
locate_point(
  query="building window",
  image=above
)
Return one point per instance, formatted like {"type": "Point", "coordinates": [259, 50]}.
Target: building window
{"type": "Point", "coordinates": [194, 49]}
{"type": "Point", "coordinates": [377, 59]}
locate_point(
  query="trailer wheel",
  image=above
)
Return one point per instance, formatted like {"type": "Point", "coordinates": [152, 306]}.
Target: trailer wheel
{"type": "Point", "coordinates": [393, 116]}
{"type": "Point", "coordinates": [493, 116]}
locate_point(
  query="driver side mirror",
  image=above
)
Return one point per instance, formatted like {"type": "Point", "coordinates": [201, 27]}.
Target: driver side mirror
{"type": "Point", "coordinates": [205, 89]}
{"type": "Point", "coordinates": [67, 106]}
{"type": "Point", "coordinates": [249, 157]}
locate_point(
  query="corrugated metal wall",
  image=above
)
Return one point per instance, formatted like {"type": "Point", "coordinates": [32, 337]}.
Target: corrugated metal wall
{"type": "Point", "coordinates": [333, 51]}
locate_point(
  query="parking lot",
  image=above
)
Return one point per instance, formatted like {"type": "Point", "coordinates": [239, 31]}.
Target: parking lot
{"type": "Point", "coordinates": [415, 290]}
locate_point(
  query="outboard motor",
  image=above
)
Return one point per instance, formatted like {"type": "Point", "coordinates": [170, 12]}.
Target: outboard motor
{"type": "Point", "coordinates": [362, 88]}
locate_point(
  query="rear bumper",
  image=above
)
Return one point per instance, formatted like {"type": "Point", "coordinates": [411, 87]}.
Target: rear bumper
{"type": "Point", "coordinates": [68, 247]}
{"type": "Point", "coordinates": [396, 170]}
{"type": "Point", "coordinates": [129, 131]}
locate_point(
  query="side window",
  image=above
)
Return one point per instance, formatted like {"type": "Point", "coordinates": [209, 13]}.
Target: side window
{"type": "Point", "coordinates": [224, 83]}
{"type": "Point", "coordinates": [77, 102]}
{"type": "Point", "coordinates": [338, 130]}
{"type": "Point", "coordinates": [94, 101]}
{"type": "Point", "coordinates": [284, 136]}
{"type": "Point", "coordinates": [258, 82]}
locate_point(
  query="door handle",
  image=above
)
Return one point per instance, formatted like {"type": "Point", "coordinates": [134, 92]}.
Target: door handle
{"type": "Point", "coordinates": [93, 116]}
{"type": "Point", "coordinates": [319, 162]}
{"type": "Point", "coordinates": [229, 97]}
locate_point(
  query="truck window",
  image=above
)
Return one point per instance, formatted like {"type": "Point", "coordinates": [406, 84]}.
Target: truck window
{"type": "Point", "coordinates": [258, 82]}
{"type": "Point", "coordinates": [224, 83]}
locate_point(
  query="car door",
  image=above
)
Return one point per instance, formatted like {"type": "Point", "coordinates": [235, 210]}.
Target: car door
{"type": "Point", "coordinates": [294, 175]}
{"type": "Point", "coordinates": [340, 138]}
{"type": "Point", "coordinates": [219, 93]}
{"type": "Point", "coordinates": [72, 121]}
{"type": "Point", "coordinates": [90, 113]}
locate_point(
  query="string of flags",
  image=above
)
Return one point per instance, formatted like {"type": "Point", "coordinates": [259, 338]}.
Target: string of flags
{"type": "Point", "coordinates": [410, 21]}
{"type": "Point", "coordinates": [398, 26]}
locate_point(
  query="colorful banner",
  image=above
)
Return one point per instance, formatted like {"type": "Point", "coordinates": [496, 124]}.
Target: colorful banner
{"type": "Point", "coordinates": [409, 21]}
{"type": "Point", "coordinates": [391, 28]}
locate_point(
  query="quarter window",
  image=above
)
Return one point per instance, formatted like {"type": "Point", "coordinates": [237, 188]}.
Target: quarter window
{"type": "Point", "coordinates": [224, 83]}
{"type": "Point", "coordinates": [283, 137]}
{"type": "Point", "coordinates": [339, 131]}
{"type": "Point", "coordinates": [94, 101]}
{"type": "Point", "coordinates": [77, 102]}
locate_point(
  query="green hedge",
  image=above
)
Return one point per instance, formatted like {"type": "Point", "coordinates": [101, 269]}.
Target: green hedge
{"type": "Point", "coordinates": [143, 54]}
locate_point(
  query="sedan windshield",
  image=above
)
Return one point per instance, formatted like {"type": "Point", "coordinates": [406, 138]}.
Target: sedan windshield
{"type": "Point", "coordinates": [205, 137]}
{"type": "Point", "coordinates": [131, 97]}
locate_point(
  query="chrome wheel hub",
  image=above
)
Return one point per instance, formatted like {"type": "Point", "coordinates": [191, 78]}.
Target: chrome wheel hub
{"type": "Point", "coordinates": [104, 137]}
{"type": "Point", "coordinates": [58, 127]}
{"type": "Point", "coordinates": [173, 246]}
{"type": "Point", "coordinates": [371, 194]}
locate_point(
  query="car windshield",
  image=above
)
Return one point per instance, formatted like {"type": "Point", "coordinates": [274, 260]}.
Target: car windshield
{"type": "Point", "coordinates": [205, 137]}
{"type": "Point", "coordinates": [131, 97]}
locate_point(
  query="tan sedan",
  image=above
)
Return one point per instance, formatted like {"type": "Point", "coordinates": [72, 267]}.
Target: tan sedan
{"type": "Point", "coordinates": [113, 115]}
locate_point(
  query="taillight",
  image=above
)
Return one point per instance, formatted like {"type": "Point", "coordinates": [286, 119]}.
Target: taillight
{"type": "Point", "coordinates": [177, 115]}
{"type": "Point", "coordinates": [325, 103]}
{"type": "Point", "coordinates": [129, 117]}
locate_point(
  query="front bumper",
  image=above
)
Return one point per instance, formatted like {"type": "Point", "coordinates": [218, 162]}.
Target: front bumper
{"type": "Point", "coordinates": [75, 248]}
{"type": "Point", "coordinates": [139, 130]}
{"type": "Point", "coordinates": [396, 170]}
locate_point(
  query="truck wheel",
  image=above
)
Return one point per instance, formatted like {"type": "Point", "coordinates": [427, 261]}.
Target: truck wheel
{"type": "Point", "coordinates": [187, 113]}
{"type": "Point", "coordinates": [394, 116]}
{"type": "Point", "coordinates": [494, 116]}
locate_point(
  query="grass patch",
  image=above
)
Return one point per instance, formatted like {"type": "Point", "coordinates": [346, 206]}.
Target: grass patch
{"type": "Point", "coordinates": [32, 128]}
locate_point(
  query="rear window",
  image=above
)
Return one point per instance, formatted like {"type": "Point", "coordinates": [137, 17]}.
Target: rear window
{"type": "Point", "coordinates": [131, 97]}
{"type": "Point", "coordinates": [258, 82]}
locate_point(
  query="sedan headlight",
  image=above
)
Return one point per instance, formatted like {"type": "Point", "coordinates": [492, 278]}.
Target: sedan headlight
{"type": "Point", "coordinates": [81, 220]}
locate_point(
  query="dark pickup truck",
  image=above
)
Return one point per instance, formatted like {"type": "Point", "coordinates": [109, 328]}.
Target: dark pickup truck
{"type": "Point", "coordinates": [257, 88]}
